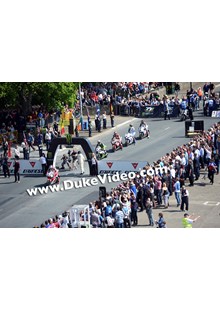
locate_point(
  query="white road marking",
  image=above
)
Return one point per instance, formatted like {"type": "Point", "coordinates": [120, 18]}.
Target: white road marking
{"type": "Point", "coordinates": [216, 203]}
{"type": "Point", "coordinates": [122, 124]}
{"type": "Point", "coordinates": [167, 128]}
{"type": "Point", "coordinates": [112, 129]}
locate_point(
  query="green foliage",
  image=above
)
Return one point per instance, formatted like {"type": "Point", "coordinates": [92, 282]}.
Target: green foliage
{"type": "Point", "coordinates": [68, 138]}
{"type": "Point", "coordinates": [25, 95]}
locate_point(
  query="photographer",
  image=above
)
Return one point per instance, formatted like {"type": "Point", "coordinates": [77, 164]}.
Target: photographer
{"type": "Point", "coordinates": [65, 161]}
{"type": "Point", "coordinates": [184, 199]}
{"type": "Point", "coordinates": [74, 158]}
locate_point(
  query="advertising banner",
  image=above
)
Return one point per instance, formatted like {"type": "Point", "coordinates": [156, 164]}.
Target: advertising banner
{"type": "Point", "coordinates": [114, 166]}
{"type": "Point", "coordinates": [215, 113]}
{"type": "Point", "coordinates": [26, 167]}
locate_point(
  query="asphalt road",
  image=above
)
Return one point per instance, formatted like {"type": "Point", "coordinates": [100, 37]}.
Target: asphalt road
{"type": "Point", "coordinates": [18, 209]}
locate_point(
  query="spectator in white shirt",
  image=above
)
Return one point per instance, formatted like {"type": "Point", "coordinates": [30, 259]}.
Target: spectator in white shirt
{"type": "Point", "coordinates": [17, 151]}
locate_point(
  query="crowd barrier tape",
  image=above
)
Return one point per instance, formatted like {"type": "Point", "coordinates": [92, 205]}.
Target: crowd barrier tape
{"type": "Point", "coordinates": [26, 167]}
{"type": "Point", "coordinates": [114, 166]}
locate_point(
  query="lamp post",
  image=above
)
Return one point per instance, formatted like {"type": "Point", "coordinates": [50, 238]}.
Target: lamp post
{"type": "Point", "coordinates": [80, 102]}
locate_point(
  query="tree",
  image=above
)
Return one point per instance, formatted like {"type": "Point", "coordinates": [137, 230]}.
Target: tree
{"type": "Point", "coordinates": [25, 95]}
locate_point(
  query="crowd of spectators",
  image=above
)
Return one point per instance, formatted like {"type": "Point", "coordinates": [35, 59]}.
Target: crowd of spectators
{"type": "Point", "coordinates": [14, 120]}
{"type": "Point", "coordinates": [195, 99]}
{"type": "Point", "coordinates": [104, 93]}
{"type": "Point", "coordinates": [142, 99]}
{"type": "Point", "coordinates": [186, 165]}
{"type": "Point", "coordinates": [127, 98]}
{"type": "Point", "coordinates": [29, 132]}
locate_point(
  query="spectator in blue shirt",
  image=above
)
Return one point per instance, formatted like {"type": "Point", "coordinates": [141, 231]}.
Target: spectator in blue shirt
{"type": "Point", "coordinates": [161, 222]}
{"type": "Point", "coordinates": [133, 188]}
{"type": "Point", "coordinates": [119, 218]}
{"type": "Point", "coordinates": [177, 191]}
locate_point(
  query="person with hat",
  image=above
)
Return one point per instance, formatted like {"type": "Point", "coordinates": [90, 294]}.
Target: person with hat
{"type": "Point", "coordinates": [187, 220]}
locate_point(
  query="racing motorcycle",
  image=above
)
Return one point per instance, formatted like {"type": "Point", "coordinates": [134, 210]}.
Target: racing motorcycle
{"type": "Point", "coordinates": [143, 132]}
{"type": "Point", "coordinates": [116, 145]}
{"type": "Point", "coordinates": [185, 114]}
{"type": "Point", "coordinates": [53, 177]}
{"type": "Point", "coordinates": [129, 139]}
{"type": "Point", "coordinates": [100, 153]}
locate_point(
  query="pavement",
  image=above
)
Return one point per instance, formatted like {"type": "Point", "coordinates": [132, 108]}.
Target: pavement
{"type": "Point", "coordinates": [204, 201]}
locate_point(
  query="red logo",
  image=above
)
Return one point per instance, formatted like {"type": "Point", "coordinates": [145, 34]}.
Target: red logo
{"type": "Point", "coordinates": [134, 165]}
{"type": "Point", "coordinates": [9, 164]}
{"type": "Point", "coordinates": [32, 164]}
{"type": "Point", "coordinates": [109, 165]}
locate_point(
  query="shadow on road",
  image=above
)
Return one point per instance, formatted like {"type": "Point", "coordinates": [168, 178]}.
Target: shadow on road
{"type": "Point", "coordinates": [31, 176]}
{"type": "Point", "coordinates": [40, 185]}
{"type": "Point", "coordinates": [7, 182]}
{"type": "Point", "coordinates": [78, 175]}
{"type": "Point", "coordinates": [200, 184]}
{"type": "Point", "coordinates": [171, 211]}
